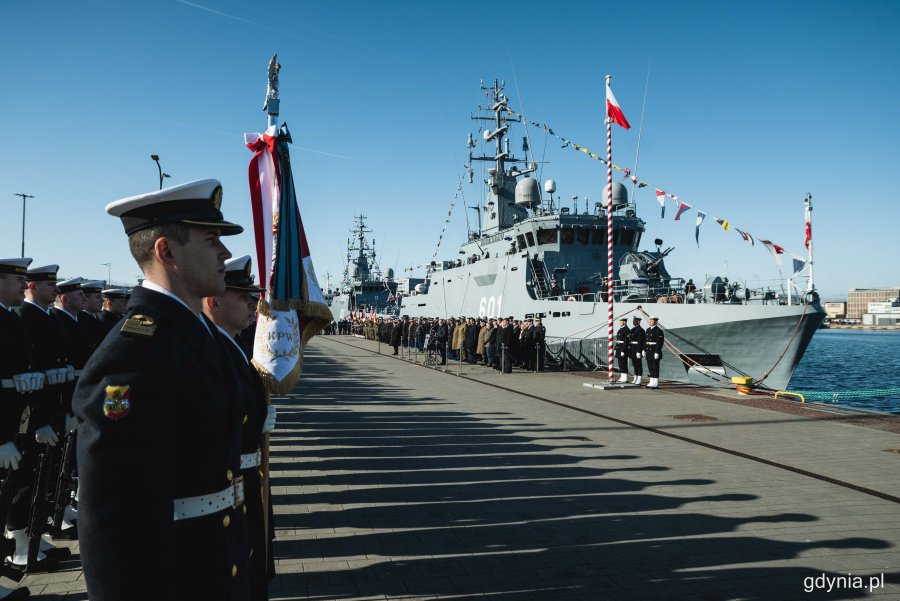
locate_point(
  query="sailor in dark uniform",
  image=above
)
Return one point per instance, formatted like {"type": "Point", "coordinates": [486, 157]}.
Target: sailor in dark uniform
{"type": "Point", "coordinates": [231, 312]}
{"type": "Point", "coordinates": [159, 419]}
{"type": "Point", "coordinates": [49, 353]}
{"type": "Point", "coordinates": [636, 349]}
{"type": "Point", "coordinates": [17, 380]}
{"type": "Point", "coordinates": [653, 347]}
{"type": "Point", "coordinates": [89, 319]}
{"type": "Point", "coordinates": [115, 301]}
{"type": "Point", "coordinates": [621, 349]}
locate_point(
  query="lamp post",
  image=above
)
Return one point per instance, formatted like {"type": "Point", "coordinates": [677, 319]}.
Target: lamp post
{"type": "Point", "coordinates": [162, 175]}
{"type": "Point", "coordinates": [108, 266]}
{"type": "Point", "coordinates": [24, 196]}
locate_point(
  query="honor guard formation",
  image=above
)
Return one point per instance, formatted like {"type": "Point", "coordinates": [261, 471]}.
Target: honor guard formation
{"type": "Point", "coordinates": [132, 420]}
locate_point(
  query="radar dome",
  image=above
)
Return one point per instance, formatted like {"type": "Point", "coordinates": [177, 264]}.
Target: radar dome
{"type": "Point", "coordinates": [549, 186]}
{"type": "Point", "coordinates": [619, 195]}
{"type": "Point", "coordinates": [528, 193]}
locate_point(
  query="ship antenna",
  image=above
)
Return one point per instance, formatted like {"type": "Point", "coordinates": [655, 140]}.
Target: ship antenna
{"type": "Point", "coordinates": [527, 142]}
{"type": "Point", "coordinates": [637, 154]}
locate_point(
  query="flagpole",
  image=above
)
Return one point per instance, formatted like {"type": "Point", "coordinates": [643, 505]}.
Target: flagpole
{"type": "Point", "coordinates": [810, 286]}
{"type": "Point", "coordinates": [609, 245]}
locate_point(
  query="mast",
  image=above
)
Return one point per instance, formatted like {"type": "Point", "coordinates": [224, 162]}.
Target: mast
{"type": "Point", "coordinates": [810, 285]}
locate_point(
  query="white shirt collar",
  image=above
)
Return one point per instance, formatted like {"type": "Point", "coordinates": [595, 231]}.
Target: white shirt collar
{"type": "Point", "coordinates": [157, 288]}
{"type": "Point", "coordinates": [5, 307]}
{"type": "Point", "coordinates": [47, 310]}
{"type": "Point", "coordinates": [234, 342]}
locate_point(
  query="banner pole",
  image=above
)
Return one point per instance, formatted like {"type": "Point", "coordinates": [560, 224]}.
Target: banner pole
{"type": "Point", "coordinates": [609, 245]}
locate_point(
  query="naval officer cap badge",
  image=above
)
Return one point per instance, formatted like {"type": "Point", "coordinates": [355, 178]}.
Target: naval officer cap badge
{"type": "Point", "coordinates": [118, 402]}
{"type": "Point", "coordinates": [195, 203]}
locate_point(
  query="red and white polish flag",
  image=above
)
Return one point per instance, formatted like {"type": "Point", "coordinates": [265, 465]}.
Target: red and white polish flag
{"type": "Point", "coordinates": [613, 111]}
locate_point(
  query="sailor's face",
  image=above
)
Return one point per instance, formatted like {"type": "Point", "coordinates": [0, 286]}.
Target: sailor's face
{"type": "Point", "coordinates": [43, 292]}
{"type": "Point", "coordinates": [92, 302]}
{"type": "Point", "coordinates": [117, 305]}
{"type": "Point", "coordinates": [74, 300]}
{"type": "Point", "coordinates": [235, 308]}
{"type": "Point", "coordinates": [12, 289]}
{"type": "Point", "coordinates": [201, 262]}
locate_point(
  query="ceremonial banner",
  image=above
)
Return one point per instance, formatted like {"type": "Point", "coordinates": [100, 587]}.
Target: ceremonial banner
{"type": "Point", "coordinates": [294, 309]}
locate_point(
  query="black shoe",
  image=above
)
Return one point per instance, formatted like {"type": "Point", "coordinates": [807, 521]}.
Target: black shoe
{"type": "Point", "coordinates": [43, 565]}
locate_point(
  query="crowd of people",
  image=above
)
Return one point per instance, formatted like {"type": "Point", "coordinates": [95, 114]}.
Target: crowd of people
{"type": "Point", "coordinates": [501, 343]}
{"type": "Point", "coordinates": [132, 421]}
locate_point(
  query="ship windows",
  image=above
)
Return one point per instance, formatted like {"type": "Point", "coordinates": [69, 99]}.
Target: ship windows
{"type": "Point", "coordinates": [599, 237]}
{"type": "Point", "coordinates": [627, 237]}
{"type": "Point", "coordinates": [583, 235]}
{"type": "Point", "coordinates": [529, 237]}
{"type": "Point", "coordinates": [521, 240]}
{"type": "Point", "coordinates": [547, 236]}
{"type": "Point", "coordinates": [567, 236]}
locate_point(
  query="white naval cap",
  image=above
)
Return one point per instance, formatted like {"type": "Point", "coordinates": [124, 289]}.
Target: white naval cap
{"type": "Point", "coordinates": [123, 293]}
{"type": "Point", "coordinates": [92, 285]}
{"type": "Point", "coordinates": [194, 203]}
{"type": "Point", "coordinates": [238, 276]}
{"type": "Point", "coordinates": [44, 272]}
{"type": "Point", "coordinates": [70, 285]}
{"type": "Point", "coordinates": [15, 266]}
{"type": "Point", "coordinates": [655, 318]}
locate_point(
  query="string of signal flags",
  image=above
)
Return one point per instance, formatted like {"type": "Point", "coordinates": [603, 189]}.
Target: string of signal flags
{"type": "Point", "coordinates": [662, 197]}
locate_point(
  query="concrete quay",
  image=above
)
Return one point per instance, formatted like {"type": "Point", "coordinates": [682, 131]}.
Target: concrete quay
{"type": "Point", "coordinates": [392, 480]}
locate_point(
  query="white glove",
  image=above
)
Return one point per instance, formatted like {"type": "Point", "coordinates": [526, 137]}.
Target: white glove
{"type": "Point", "coordinates": [621, 354]}
{"type": "Point", "coordinates": [269, 424]}
{"type": "Point", "coordinates": [46, 435]}
{"type": "Point", "coordinates": [9, 456]}
{"type": "Point", "coordinates": [639, 355]}
{"type": "Point", "coordinates": [656, 355]}
{"type": "Point", "coordinates": [71, 424]}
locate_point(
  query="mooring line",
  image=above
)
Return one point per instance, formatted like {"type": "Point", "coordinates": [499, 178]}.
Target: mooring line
{"type": "Point", "coordinates": [693, 441]}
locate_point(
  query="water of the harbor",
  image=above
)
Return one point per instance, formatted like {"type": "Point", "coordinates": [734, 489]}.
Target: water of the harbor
{"type": "Point", "coordinates": [848, 360]}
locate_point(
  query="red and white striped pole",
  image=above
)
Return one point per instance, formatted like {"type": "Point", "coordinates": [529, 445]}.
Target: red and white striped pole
{"type": "Point", "coordinates": [609, 243]}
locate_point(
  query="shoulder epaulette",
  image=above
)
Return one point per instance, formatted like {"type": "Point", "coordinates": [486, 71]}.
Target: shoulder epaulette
{"type": "Point", "coordinates": [142, 325]}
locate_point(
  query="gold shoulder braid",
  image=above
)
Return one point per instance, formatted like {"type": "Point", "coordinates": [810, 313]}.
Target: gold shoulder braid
{"type": "Point", "coordinates": [142, 325]}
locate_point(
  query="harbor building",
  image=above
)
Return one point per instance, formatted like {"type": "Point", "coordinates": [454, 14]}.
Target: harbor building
{"type": "Point", "coordinates": [835, 310]}
{"type": "Point", "coordinates": [858, 299]}
{"type": "Point", "coordinates": [882, 313]}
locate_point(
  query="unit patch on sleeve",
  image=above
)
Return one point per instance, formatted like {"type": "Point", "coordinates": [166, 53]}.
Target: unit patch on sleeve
{"type": "Point", "coordinates": [117, 404]}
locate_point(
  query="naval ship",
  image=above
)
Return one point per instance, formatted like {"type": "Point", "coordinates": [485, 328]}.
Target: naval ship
{"type": "Point", "coordinates": [531, 258]}
{"type": "Point", "coordinates": [363, 288]}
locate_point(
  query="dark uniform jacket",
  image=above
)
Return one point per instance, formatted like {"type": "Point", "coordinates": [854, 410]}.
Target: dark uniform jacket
{"type": "Point", "coordinates": [108, 320]}
{"type": "Point", "coordinates": [49, 349]}
{"type": "Point", "coordinates": [159, 419]}
{"type": "Point", "coordinates": [636, 341]}
{"type": "Point", "coordinates": [80, 347]}
{"type": "Point", "coordinates": [15, 358]}
{"type": "Point", "coordinates": [622, 341]}
{"type": "Point", "coordinates": [95, 330]}
{"type": "Point", "coordinates": [253, 399]}
{"type": "Point", "coordinates": [653, 341]}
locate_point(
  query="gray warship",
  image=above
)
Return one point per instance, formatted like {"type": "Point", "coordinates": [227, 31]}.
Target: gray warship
{"type": "Point", "coordinates": [363, 287]}
{"type": "Point", "coordinates": [531, 257]}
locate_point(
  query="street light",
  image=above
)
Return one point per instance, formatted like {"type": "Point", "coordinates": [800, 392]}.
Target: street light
{"type": "Point", "coordinates": [155, 157]}
{"type": "Point", "coordinates": [108, 266]}
{"type": "Point", "coordinates": [24, 196]}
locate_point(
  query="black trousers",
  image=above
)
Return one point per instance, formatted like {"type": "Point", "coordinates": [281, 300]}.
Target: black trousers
{"type": "Point", "coordinates": [623, 361]}
{"type": "Point", "coordinates": [638, 364]}
{"type": "Point", "coordinates": [653, 365]}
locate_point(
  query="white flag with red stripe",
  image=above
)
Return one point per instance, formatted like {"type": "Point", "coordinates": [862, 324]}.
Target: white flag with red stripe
{"type": "Point", "coordinates": [613, 111]}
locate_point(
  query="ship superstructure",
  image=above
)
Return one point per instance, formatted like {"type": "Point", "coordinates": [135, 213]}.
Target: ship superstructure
{"type": "Point", "coordinates": [364, 288]}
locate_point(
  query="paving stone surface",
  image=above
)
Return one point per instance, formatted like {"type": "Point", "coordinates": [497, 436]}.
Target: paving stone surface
{"type": "Point", "coordinates": [396, 481]}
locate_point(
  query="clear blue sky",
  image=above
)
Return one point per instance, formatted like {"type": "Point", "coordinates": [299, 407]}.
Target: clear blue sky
{"type": "Point", "coordinates": [750, 106]}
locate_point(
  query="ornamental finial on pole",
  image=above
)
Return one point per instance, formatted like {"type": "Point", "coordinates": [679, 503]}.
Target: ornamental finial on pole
{"type": "Point", "coordinates": [272, 102]}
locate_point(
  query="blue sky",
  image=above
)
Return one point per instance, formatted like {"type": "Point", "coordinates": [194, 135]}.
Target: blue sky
{"type": "Point", "coordinates": [749, 107]}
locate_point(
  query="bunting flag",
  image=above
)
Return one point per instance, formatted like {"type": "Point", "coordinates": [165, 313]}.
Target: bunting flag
{"type": "Point", "coordinates": [681, 209]}
{"type": "Point", "coordinates": [723, 222]}
{"type": "Point", "coordinates": [745, 236]}
{"type": "Point", "coordinates": [294, 309]}
{"type": "Point", "coordinates": [613, 111]}
{"type": "Point", "coordinates": [700, 217]}
{"type": "Point", "coordinates": [661, 199]}
{"type": "Point", "coordinates": [799, 263]}
{"type": "Point", "coordinates": [774, 249]}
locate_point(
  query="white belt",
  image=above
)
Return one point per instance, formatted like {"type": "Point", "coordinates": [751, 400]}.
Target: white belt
{"type": "Point", "coordinates": [249, 460]}
{"type": "Point", "coordinates": [4, 383]}
{"type": "Point", "coordinates": [194, 507]}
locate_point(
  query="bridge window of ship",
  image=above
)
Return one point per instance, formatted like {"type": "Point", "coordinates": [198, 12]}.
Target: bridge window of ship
{"type": "Point", "coordinates": [599, 237]}
{"type": "Point", "coordinates": [547, 236]}
{"type": "Point", "coordinates": [627, 237]}
{"type": "Point", "coordinates": [521, 240]}
{"type": "Point", "coordinates": [529, 237]}
{"type": "Point", "coordinates": [584, 235]}
{"type": "Point", "coordinates": [567, 236]}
